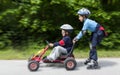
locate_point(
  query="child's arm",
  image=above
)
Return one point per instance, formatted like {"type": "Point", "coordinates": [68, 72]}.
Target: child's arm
{"type": "Point", "coordinates": [51, 44]}
{"type": "Point", "coordinates": [60, 43]}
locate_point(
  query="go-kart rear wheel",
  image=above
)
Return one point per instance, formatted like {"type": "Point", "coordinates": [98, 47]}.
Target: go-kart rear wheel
{"type": "Point", "coordinates": [33, 65]}
{"type": "Point", "coordinates": [70, 64]}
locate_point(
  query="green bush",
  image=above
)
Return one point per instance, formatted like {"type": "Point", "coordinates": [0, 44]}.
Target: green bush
{"type": "Point", "coordinates": [24, 20]}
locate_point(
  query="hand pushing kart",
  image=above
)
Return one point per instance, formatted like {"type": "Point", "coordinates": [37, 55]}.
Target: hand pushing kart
{"type": "Point", "coordinates": [67, 59]}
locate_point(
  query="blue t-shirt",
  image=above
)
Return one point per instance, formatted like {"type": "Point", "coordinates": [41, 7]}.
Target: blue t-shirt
{"type": "Point", "coordinates": [88, 25]}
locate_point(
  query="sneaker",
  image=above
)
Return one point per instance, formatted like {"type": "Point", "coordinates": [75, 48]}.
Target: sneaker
{"type": "Point", "coordinates": [45, 59]}
{"type": "Point", "coordinates": [87, 61]}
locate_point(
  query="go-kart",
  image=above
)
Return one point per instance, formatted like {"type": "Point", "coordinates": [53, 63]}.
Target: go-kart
{"type": "Point", "coordinates": [67, 59]}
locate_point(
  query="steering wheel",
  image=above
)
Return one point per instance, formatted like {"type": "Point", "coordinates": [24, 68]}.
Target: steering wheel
{"type": "Point", "coordinates": [47, 42]}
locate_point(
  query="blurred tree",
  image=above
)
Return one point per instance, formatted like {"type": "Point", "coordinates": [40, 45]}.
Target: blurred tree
{"type": "Point", "coordinates": [22, 21]}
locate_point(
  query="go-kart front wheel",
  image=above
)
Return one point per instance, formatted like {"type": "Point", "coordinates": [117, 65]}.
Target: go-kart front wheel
{"type": "Point", "coordinates": [33, 65]}
{"type": "Point", "coordinates": [70, 64]}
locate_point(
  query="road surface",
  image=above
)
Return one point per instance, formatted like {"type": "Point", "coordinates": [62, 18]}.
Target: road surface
{"type": "Point", "coordinates": [109, 66]}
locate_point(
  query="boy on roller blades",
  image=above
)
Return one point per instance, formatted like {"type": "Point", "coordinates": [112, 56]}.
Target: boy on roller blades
{"type": "Point", "coordinates": [96, 36]}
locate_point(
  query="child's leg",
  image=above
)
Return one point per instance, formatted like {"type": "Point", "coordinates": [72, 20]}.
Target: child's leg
{"type": "Point", "coordinates": [93, 51]}
{"type": "Point", "coordinates": [96, 39]}
{"type": "Point", "coordinates": [56, 52]}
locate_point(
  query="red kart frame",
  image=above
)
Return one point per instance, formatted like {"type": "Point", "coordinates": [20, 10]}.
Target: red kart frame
{"type": "Point", "coordinates": [68, 60]}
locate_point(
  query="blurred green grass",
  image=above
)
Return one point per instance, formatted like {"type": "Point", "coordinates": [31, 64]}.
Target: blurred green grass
{"type": "Point", "coordinates": [12, 54]}
{"type": "Point", "coordinates": [101, 54]}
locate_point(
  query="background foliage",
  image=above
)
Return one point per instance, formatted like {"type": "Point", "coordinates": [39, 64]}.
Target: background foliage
{"type": "Point", "coordinates": [24, 22]}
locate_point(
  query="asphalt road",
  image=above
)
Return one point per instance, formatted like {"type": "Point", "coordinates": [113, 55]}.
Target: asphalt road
{"type": "Point", "coordinates": [109, 66]}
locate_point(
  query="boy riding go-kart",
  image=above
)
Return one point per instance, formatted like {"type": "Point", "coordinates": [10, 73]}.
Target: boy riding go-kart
{"type": "Point", "coordinates": [61, 53]}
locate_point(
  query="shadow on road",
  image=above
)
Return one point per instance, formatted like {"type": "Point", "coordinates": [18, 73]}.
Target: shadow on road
{"type": "Point", "coordinates": [107, 63]}
{"type": "Point", "coordinates": [80, 64]}
{"type": "Point", "coordinates": [102, 63]}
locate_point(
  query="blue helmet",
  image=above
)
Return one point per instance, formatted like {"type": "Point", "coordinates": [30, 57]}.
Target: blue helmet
{"type": "Point", "coordinates": [84, 11]}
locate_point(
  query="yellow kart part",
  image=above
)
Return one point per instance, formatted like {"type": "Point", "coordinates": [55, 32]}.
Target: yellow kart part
{"type": "Point", "coordinates": [39, 52]}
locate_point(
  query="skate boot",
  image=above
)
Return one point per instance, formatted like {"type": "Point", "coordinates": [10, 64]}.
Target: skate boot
{"type": "Point", "coordinates": [93, 65]}
{"type": "Point", "coordinates": [87, 61]}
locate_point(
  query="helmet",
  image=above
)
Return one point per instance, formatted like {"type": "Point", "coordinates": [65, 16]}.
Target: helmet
{"type": "Point", "coordinates": [84, 11]}
{"type": "Point", "coordinates": [67, 27]}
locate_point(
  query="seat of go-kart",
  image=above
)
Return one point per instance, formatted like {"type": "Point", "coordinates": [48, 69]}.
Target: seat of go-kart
{"type": "Point", "coordinates": [64, 56]}
{"type": "Point", "coordinates": [69, 54]}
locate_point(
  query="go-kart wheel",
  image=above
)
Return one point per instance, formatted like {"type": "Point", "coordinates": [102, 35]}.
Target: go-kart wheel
{"type": "Point", "coordinates": [70, 64]}
{"type": "Point", "coordinates": [33, 65]}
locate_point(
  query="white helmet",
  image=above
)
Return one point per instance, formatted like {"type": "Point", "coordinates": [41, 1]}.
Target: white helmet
{"type": "Point", "coordinates": [84, 11]}
{"type": "Point", "coordinates": [67, 27]}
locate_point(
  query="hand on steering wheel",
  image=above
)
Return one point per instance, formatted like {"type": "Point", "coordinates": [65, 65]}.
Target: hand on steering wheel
{"type": "Point", "coordinates": [51, 44]}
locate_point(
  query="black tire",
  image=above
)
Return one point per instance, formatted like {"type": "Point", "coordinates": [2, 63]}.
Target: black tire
{"type": "Point", "coordinates": [33, 65]}
{"type": "Point", "coordinates": [70, 63]}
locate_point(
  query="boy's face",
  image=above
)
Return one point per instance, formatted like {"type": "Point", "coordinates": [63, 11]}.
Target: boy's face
{"type": "Point", "coordinates": [63, 32]}
{"type": "Point", "coordinates": [81, 18]}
